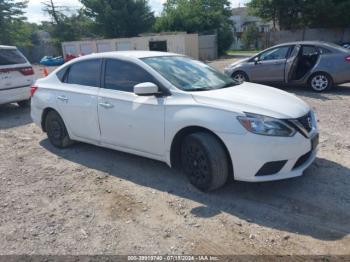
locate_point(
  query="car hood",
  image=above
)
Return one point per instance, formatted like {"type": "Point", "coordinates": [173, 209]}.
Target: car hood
{"type": "Point", "coordinates": [239, 62]}
{"type": "Point", "coordinates": [254, 98]}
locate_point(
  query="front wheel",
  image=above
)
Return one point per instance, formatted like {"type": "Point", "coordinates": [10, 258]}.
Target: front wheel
{"type": "Point", "coordinates": [56, 130]}
{"type": "Point", "coordinates": [320, 82]}
{"type": "Point", "coordinates": [204, 161]}
{"type": "Point", "coordinates": [240, 77]}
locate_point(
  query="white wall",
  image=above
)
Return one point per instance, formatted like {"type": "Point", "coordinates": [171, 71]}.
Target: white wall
{"type": "Point", "coordinates": [186, 44]}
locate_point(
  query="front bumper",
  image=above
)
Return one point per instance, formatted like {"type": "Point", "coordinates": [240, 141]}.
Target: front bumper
{"type": "Point", "coordinates": [249, 153]}
{"type": "Point", "coordinates": [228, 71]}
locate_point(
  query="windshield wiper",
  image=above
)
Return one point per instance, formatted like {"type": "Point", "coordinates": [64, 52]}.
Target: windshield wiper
{"type": "Point", "coordinates": [229, 85]}
{"type": "Point", "coordinates": [198, 89]}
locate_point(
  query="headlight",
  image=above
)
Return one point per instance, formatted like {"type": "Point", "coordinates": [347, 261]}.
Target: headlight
{"type": "Point", "coordinates": [264, 125]}
{"type": "Point", "coordinates": [313, 119]}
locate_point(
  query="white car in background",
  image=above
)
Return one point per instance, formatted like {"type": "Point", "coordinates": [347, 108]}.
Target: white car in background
{"type": "Point", "coordinates": [178, 110]}
{"type": "Point", "coordinates": [16, 76]}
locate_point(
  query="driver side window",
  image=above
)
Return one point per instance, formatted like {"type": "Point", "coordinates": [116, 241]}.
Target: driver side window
{"type": "Point", "coordinates": [275, 54]}
{"type": "Point", "coordinates": [123, 76]}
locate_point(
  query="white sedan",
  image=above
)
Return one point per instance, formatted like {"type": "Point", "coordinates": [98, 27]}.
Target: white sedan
{"type": "Point", "coordinates": [178, 110]}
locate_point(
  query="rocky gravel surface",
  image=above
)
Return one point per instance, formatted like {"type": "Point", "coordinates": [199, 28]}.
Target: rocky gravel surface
{"type": "Point", "coordinates": [91, 200]}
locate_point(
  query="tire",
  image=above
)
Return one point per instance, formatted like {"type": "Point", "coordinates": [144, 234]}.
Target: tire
{"type": "Point", "coordinates": [204, 161]}
{"type": "Point", "coordinates": [240, 77]}
{"type": "Point", "coordinates": [56, 130]}
{"type": "Point", "coordinates": [24, 103]}
{"type": "Point", "coordinates": [320, 82]}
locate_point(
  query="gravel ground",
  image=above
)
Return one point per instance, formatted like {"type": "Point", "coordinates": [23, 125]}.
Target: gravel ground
{"type": "Point", "coordinates": [90, 200]}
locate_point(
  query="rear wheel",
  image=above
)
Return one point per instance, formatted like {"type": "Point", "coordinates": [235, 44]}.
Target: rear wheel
{"type": "Point", "coordinates": [320, 82]}
{"type": "Point", "coordinates": [240, 77]}
{"type": "Point", "coordinates": [24, 103]}
{"type": "Point", "coordinates": [204, 161]}
{"type": "Point", "coordinates": [56, 130]}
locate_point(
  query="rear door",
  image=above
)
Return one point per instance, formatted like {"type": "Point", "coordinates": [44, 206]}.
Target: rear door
{"type": "Point", "coordinates": [15, 70]}
{"type": "Point", "coordinates": [270, 65]}
{"type": "Point", "coordinates": [291, 63]}
{"type": "Point", "coordinates": [77, 99]}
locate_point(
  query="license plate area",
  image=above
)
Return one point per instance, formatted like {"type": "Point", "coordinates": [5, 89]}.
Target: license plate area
{"type": "Point", "coordinates": [5, 76]}
{"type": "Point", "coordinates": [315, 141]}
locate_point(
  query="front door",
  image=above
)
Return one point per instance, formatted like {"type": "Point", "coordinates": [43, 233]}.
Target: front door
{"type": "Point", "coordinates": [291, 64]}
{"type": "Point", "coordinates": [270, 65]}
{"type": "Point", "coordinates": [127, 120]}
{"type": "Point", "coordinates": [77, 99]}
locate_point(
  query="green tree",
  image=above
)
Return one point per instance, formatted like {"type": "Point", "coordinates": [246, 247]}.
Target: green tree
{"type": "Point", "coordinates": [250, 37]}
{"type": "Point", "coordinates": [294, 14]}
{"type": "Point", "coordinates": [12, 22]}
{"type": "Point", "coordinates": [120, 18]}
{"type": "Point", "coordinates": [284, 13]}
{"type": "Point", "coordinates": [198, 16]}
{"type": "Point", "coordinates": [64, 27]}
{"type": "Point", "coordinates": [342, 10]}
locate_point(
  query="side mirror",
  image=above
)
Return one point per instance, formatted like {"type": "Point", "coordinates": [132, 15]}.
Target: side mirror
{"type": "Point", "coordinates": [146, 89]}
{"type": "Point", "coordinates": [257, 60]}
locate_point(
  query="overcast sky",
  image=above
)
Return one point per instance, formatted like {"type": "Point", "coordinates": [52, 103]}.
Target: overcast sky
{"type": "Point", "coordinates": [35, 13]}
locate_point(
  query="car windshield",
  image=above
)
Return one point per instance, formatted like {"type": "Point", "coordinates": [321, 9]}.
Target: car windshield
{"type": "Point", "coordinates": [188, 74]}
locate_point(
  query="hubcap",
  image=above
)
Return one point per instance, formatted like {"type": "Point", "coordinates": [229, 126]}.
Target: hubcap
{"type": "Point", "coordinates": [319, 82]}
{"type": "Point", "coordinates": [239, 78]}
{"type": "Point", "coordinates": [196, 165]}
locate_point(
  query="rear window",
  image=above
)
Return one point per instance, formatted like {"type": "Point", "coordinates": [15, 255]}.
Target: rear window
{"type": "Point", "coordinates": [86, 73]}
{"type": "Point", "coordinates": [337, 47]}
{"type": "Point", "coordinates": [61, 75]}
{"type": "Point", "coordinates": [11, 57]}
{"type": "Point", "coordinates": [324, 50]}
{"type": "Point", "coordinates": [309, 50]}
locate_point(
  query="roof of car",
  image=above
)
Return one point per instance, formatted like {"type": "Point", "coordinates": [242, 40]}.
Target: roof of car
{"type": "Point", "coordinates": [324, 44]}
{"type": "Point", "coordinates": [7, 47]}
{"type": "Point", "coordinates": [133, 54]}
{"type": "Point", "coordinates": [307, 43]}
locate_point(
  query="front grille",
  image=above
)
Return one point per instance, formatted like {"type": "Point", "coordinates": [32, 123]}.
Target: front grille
{"type": "Point", "coordinates": [303, 124]}
{"type": "Point", "coordinates": [302, 160]}
{"type": "Point", "coordinates": [306, 121]}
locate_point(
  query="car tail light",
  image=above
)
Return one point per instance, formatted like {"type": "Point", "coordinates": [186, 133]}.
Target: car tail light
{"type": "Point", "coordinates": [27, 71]}
{"type": "Point", "coordinates": [347, 58]}
{"type": "Point", "coordinates": [33, 89]}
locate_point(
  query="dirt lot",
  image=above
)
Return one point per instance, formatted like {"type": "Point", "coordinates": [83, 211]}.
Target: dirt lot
{"type": "Point", "coordinates": [90, 200]}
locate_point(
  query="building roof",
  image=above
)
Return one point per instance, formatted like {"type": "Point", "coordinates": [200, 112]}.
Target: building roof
{"type": "Point", "coordinates": [240, 11]}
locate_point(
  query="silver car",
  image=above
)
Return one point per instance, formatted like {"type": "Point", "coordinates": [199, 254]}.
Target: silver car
{"type": "Point", "coordinates": [319, 65]}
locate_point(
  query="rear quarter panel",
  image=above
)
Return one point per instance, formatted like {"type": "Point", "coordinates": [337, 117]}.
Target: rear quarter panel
{"type": "Point", "coordinates": [335, 65]}
{"type": "Point", "coordinates": [43, 98]}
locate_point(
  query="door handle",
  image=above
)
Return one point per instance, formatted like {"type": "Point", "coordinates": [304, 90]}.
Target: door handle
{"type": "Point", "coordinates": [106, 105]}
{"type": "Point", "coordinates": [63, 98]}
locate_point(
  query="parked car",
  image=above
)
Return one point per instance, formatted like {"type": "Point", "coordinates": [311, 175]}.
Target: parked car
{"type": "Point", "coordinates": [346, 45]}
{"type": "Point", "coordinates": [52, 61]}
{"type": "Point", "coordinates": [16, 76]}
{"type": "Point", "coordinates": [319, 65]}
{"type": "Point", "coordinates": [178, 110]}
